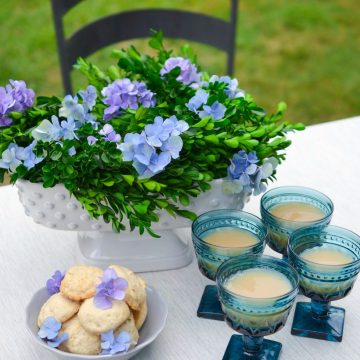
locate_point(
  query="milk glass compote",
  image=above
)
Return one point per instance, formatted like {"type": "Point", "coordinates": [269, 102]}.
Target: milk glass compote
{"type": "Point", "coordinates": [210, 256]}
{"type": "Point", "coordinates": [279, 229]}
{"type": "Point", "coordinates": [323, 281]}
{"type": "Point", "coordinates": [254, 317]}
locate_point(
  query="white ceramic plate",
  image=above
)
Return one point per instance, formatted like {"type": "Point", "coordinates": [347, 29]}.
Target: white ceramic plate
{"type": "Point", "coordinates": [154, 324]}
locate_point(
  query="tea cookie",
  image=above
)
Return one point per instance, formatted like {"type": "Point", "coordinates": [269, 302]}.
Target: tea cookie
{"type": "Point", "coordinates": [129, 326]}
{"type": "Point", "coordinates": [140, 316]}
{"type": "Point", "coordinates": [58, 306]}
{"type": "Point", "coordinates": [135, 294]}
{"type": "Point", "coordinates": [80, 282]}
{"type": "Point", "coordinates": [80, 341]}
{"type": "Point", "coordinates": [98, 320]}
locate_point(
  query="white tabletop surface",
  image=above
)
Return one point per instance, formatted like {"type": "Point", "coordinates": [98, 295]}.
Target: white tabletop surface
{"type": "Point", "coordinates": [325, 157]}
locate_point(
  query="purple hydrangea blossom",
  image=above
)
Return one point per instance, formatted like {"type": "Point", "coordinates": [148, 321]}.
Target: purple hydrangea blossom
{"type": "Point", "coordinates": [216, 111]}
{"type": "Point", "coordinates": [109, 133]}
{"type": "Point", "coordinates": [91, 140]}
{"type": "Point", "coordinates": [200, 98]}
{"type": "Point", "coordinates": [53, 284]}
{"type": "Point", "coordinates": [231, 90]}
{"type": "Point", "coordinates": [188, 71]}
{"type": "Point", "coordinates": [49, 331]}
{"type": "Point", "coordinates": [112, 287]}
{"type": "Point", "coordinates": [114, 345]}
{"type": "Point", "coordinates": [14, 97]}
{"type": "Point", "coordinates": [125, 94]}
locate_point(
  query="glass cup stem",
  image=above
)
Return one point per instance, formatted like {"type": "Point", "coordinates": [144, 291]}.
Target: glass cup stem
{"type": "Point", "coordinates": [252, 344]}
{"type": "Point", "coordinates": [320, 309]}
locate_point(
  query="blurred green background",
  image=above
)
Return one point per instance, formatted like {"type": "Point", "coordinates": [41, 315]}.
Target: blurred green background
{"type": "Point", "coordinates": [303, 52]}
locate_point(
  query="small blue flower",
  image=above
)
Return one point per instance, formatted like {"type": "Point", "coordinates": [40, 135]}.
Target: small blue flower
{"type": "Point", "coordinates": [130, 145]}
{"type": "Point", "coordinates": [53, 284]}
{"type": "Point", "coordinates": [173, 146]}
{"type": "Point", "coordinates": [71, 108]}
{"type": "Point", "coordinates": [114, 345]}
{"type": "Point", "coordinates": [231, 89]}
{"type": "Point", "coordinates": [91, 140]}
{"type": "Point", "coordinates": [48, 131]}
{"type": "Point", "coordinates": [49, 331]}
{"type": "Point", "coordinates": [200, 98]}
{"type": "Point", "coordinates": [175, 126]}
{"type": "Point", "coordinates": [156, 133]}
{"type": "Point", "coordinates": [216, 111]}
{"type": "Point", "coordinates": [109, 134]}
{"type": "Point", "coordinates": [29, 157]}
{"type": "Point", "coordinates": [157, 163]}
{"type": "Point", "coordinates": [68, 128]}
{"type": "Point", "coordinates": [89, 97]}
{"type": "Point", "coordinates": [72, 151]}
{"type": "Point", "coordinates": [11, 157]}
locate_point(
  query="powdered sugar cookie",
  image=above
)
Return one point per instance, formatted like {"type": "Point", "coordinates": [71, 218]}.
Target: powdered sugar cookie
{"type": "Point", "coordinates": [80, 282]}
{"type": "Point", "coordinates": [58, 306]}
{"type": "Point", "coordinates": [140, 315]}
{"type": "Point", "coordinates": [98, 320]}
{"type": "Point", "coordinates": [129, 326]}
{"type": "Point", "coordinates": [80, 341]}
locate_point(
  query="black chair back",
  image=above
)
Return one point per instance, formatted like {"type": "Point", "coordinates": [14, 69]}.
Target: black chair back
{"type": "Point", "coordinates": [119, 27]}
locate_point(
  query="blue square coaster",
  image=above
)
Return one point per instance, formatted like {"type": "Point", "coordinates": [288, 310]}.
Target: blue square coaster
{"type": "Point", "coordinates": [270, 350]}
{"type": "Point", "coordinates": [329, 328]}
{"type": "Point", "coordinates": [210, 307]}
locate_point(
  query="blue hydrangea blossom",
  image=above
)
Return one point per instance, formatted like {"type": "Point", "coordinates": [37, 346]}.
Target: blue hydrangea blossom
{"type": "Point", "coordinates": [114, 345]}
{"type": "Point", "coordinates": [231, 90]}
{"type": "Point", "coordinates": [215, 111]}
{"type": "Point", "coordinates": [49, 331]}
{"type": "Point", "coordinates": [245, 175]}
{"type": "Point", "coordinates": [110, 134]}
{"type": "Point", "coordinates": [152, 150]}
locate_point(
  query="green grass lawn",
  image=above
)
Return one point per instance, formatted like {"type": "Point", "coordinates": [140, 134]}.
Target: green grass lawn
{"type": "Point", "coordinates": [304, 52]}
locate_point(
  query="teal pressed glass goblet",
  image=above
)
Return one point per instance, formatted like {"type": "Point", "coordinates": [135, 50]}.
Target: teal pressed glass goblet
{"type": "Point", "coordinates": [328, 262]}
{"type": "Point", "coordinates": [255, 317]}
{"type": "Point", "coordinates": [280, 229]}
{"type": "Point", "coordinates": [210, 257]}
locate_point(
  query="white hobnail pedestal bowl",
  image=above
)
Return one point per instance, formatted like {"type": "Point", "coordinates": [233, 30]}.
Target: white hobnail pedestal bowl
{"type": "Point", "coordinates": [99, 245]}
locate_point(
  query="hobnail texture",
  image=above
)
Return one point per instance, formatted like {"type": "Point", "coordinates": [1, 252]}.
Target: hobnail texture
{"type": "Point", "coordinates": [210, 257]}
{"type": "Point", "coordinates": [279, 230]}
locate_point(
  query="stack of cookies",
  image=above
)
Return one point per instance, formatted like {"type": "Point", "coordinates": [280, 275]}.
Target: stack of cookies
{"type": "Point", "coordinates": [83, 321]}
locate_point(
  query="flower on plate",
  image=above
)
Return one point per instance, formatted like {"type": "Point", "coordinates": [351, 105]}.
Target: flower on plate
{"type": "Point", "coordinates": [114, 345]}
{"type": "Point", "coordinates": [53, 284]}
{"type": "Point", "coordinates": [125, 94]}
{"type": "Point", "coordinates": [49, 331]}
{"type": "Point", "coordinates": [112, 287]}
{"type": "Point", "coordinates": [188, 71]}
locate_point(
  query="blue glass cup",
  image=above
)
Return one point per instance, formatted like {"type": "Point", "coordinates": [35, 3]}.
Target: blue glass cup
{"type": "Point", "coordinates": [279, 230]}
{"type": "Point", "coordinates": [255, 318]}
{"type": "Point", "coordinates": [210, 257]}
{"type": "Point", "coordinates": [323, 283]}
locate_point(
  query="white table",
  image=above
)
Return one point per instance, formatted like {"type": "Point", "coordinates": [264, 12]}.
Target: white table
{"type": "Point", "coordinates": [325, 157]}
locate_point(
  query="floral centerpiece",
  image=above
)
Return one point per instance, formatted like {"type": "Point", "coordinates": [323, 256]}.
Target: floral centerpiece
{"type": "Point", "coordinates": [144, 136]}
